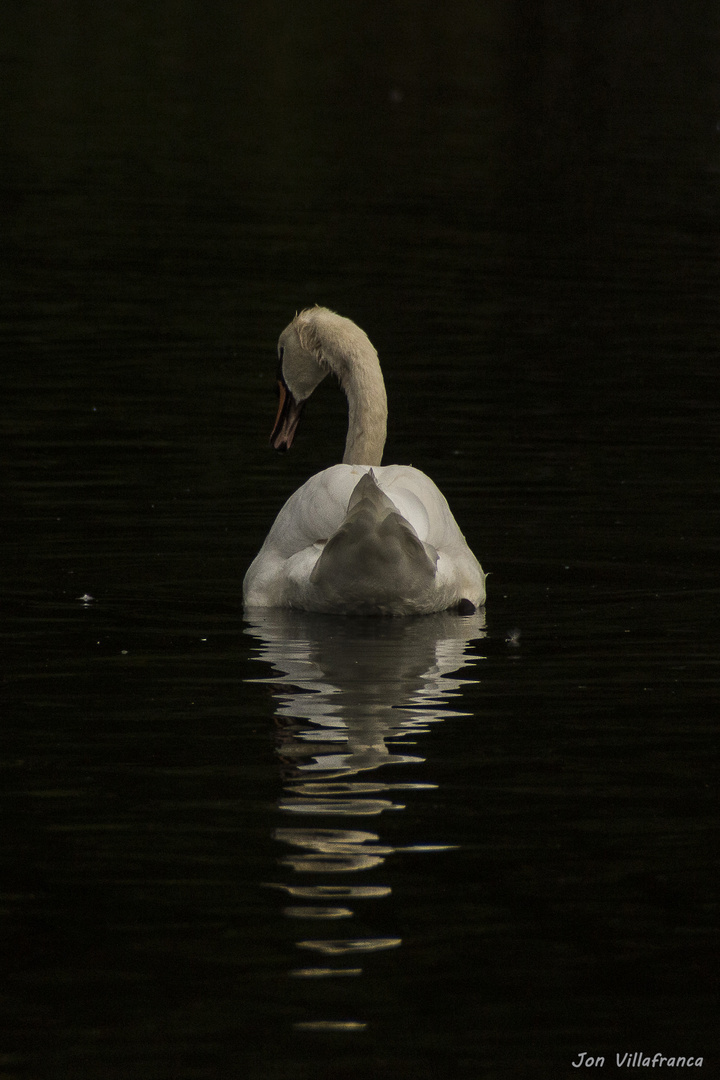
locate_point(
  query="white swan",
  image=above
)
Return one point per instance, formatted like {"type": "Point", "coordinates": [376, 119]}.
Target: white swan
{"type": "Point", "coordinates": [357, 538]}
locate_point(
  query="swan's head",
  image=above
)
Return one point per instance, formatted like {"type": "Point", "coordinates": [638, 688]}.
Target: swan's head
{"type": "Point", "coordinates": [300, 371]}
{"type": "Point", "coordinates": [315, 343]}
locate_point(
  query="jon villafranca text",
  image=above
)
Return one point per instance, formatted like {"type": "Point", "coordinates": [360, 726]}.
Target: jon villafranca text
{"type": "Point", "coordinates": [636, 1059]}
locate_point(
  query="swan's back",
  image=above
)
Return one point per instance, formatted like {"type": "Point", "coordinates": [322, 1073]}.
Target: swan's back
{"type": "Point", "coordinates": [358, 541]}
{"type": "Point", "coordinates": [374, 563]}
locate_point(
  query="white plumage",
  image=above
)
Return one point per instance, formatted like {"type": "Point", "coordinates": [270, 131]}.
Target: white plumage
{"type": "Point", "coordinates": [357, 538]}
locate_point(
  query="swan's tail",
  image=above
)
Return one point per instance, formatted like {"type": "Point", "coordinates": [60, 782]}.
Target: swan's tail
{"type": "Point", "coordinates": [375, 562]}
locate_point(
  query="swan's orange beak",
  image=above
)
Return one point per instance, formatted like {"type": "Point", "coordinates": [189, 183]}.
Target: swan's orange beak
{"type": "Point", "coordinates": [287, 418]}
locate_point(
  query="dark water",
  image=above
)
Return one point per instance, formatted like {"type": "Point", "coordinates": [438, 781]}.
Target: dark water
{"type": "Point", "coordinates": [323, 848]}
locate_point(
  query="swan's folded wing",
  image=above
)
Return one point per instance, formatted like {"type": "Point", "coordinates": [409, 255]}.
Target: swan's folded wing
{"type": "Point", "coordinates": [459, 574]}
{"type": "Point", "coordinates": [309, 517]}
{"type": "Point", "coordinates": [315, 511]}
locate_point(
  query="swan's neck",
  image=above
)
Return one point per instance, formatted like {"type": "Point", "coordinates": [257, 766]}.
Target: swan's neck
{"type": "Point", "coordinates": [329, 342]}
{"type": "Point", "coordinates": [367, 411]}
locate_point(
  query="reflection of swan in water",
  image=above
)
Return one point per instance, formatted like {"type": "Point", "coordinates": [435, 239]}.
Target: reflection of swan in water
{"type": "Point", "coordinates": [350, 693]}
{"type": "Point", "coordinates": [363, 683]}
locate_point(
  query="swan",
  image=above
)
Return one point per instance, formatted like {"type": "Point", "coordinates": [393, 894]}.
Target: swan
{"type": "Point", "coordinates": [358, 538]}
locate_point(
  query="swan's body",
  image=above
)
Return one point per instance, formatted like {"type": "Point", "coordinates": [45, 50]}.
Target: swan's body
{"type": "Point", "coordinates": [357, 538]}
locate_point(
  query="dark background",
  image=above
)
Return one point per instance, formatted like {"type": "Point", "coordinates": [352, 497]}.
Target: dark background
{"type": "Point", "coordinates": [518, 201]}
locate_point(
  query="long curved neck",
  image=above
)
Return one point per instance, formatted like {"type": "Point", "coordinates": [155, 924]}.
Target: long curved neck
{"type": "Point", "coordinates": [329, 342]}
{"type": "Point", "coordinates": [367, 411]}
